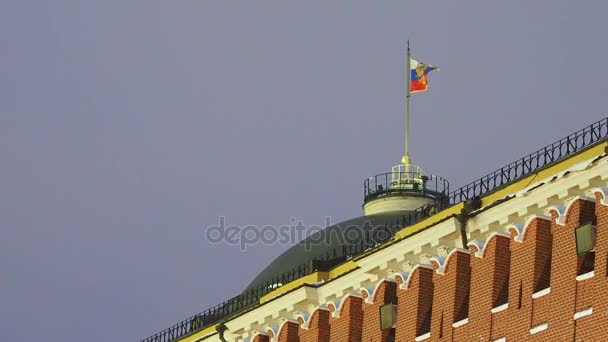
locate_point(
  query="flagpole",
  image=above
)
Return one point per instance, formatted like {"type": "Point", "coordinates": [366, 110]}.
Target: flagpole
{"type": "Point", "coordinates": [406, 157]}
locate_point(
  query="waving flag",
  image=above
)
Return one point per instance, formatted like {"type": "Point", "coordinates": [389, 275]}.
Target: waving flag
{"type": "Point", "coordinates": [418, 75]}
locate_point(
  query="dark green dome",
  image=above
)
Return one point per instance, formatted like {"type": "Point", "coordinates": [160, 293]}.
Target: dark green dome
{"type": "Point", "coordinates": [334, 243]}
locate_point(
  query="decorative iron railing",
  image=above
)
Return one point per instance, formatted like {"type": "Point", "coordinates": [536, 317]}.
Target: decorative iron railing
{"type": "Point", "coordinates": [403, 182]}
{"type": "Point", "coordinates": [527, 165]}
{"type": "Point", "coordinates": [229, 307]}
{"type": "Point", "coordinates": [533, 162]}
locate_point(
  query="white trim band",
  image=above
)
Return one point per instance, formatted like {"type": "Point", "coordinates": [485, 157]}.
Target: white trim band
{"type": "Point", "coordinates": [585, 276]}
{"type": "Point", "coordinates": [583, 313]}
{"type": "Point", "coordinates": [460, 323]}
{"type": "Point", "coordinates": [500, 308]}
{"type": "Point", "coordinates": [541, 293]}
{"type": "Point", "coordinates": [538, 328]}
{"type": "Point", "coordinates": [423, 337]}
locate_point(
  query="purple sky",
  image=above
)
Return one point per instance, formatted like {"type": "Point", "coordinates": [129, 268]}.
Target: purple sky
{"type": "Point", "coordinates": [127, 127]}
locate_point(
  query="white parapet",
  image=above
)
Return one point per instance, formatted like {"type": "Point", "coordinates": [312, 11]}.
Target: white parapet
{"type": "Point", "coordinates": [395, 203]}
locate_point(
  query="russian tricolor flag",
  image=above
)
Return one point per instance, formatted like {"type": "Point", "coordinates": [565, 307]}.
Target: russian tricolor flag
{"type": "Point", "coordinates": [418, 75]}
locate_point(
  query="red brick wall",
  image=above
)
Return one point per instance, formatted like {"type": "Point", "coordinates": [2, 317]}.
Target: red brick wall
{"type": "Point", "coordinates": [474, 285]}
{"type": "Point", "coordinates": [348, 327]}
{"type": "Point", "coordinates": [318, 327]}
{"type": "Point", "coordinates": [289, 332]}
{"type": "Point", "coordinates": [415, 305]}
{"type": "Point", "coordinates": [594, 291]}
{"type": "Point", "coordinates": [492, 267]}
{"type": "Point", "coordinates": [451, 294]}
{"type": "Point", "coordinates": [261, 338]}
{"type": "Point", "coordinates": [384, 294]}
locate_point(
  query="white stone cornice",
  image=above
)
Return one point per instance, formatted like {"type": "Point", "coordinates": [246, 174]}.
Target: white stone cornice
{"type": "Point", "coordinates": [534, 198]}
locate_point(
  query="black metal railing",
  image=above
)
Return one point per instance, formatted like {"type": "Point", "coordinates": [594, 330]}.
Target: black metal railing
{"type": "Point", "coordinates": [529, 164]}
{"type": "Point", "coordinates": [251, 297]}
{"type": "Point", "coordinates": [404, 182]}
{"type": "Point", "coordinates": [533, 162]}
{"type": "Point", "coordinates": [373, 237]}
{"type": "Point", "coordinates": [229, 307]}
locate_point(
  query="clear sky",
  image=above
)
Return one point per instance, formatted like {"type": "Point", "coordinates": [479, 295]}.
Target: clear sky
{"type": "Point", "coordinates": [127, 127]}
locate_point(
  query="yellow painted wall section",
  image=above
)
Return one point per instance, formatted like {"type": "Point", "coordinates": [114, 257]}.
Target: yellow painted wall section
{"type": "Point", "coordinates": [429, 221]}
{"type": "Point", "coordinates": [560, 166]}
{"type": "Point", "coordinates": [309, 279]}
{"type": "Point", "coordinates": [342, 269]}
{"type": "Point", "coordinates": [510, 189]}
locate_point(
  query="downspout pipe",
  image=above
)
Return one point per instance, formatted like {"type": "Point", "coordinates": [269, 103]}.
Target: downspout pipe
{"type": "Point", "coordinates": [221, 329]}
{"type": "Point", "coordinates": [464, 216]}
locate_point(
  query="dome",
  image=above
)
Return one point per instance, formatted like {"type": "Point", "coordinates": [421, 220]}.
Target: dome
{"type": "Point", "coordinates": [388, 197]}
{"type": "Point", "coordinates": [327, 244]}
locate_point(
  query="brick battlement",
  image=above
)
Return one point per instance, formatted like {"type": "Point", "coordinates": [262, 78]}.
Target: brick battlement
{"type": "Point", "coordinates": [526, 285]}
